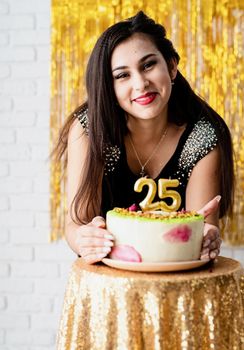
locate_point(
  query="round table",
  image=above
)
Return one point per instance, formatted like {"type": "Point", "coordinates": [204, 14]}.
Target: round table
{"type": "Point", "coordinates": [106, 308]}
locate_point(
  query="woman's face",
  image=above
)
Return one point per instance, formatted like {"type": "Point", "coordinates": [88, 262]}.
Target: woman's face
{"type": "Point", "coordinates": [142, 82]}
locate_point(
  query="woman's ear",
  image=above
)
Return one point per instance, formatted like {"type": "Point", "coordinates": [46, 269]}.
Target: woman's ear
{"type": "Point", "coordinates": [173, 68]}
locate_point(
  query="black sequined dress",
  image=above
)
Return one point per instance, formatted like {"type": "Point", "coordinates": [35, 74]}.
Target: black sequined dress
{"type": "Point", "coordinates": [196, 142]}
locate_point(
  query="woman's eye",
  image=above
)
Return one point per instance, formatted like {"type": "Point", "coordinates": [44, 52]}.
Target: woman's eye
{"type": "Point", "coordinates": [121, 76]}
{"type": "Point", "coordinates": [149, 64]}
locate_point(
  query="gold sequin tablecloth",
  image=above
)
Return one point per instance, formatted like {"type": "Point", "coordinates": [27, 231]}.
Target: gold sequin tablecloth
{"type": "Point", "coordinates": [109, 309]}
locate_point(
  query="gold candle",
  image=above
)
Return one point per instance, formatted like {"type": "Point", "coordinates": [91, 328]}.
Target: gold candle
{"type": "Point", "coordinates": [163, 192]}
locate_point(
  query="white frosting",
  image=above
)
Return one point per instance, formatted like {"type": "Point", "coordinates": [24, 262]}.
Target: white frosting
{"type": "Point", "coordinates": [147, 238]}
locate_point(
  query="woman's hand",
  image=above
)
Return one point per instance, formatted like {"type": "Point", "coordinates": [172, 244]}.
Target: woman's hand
{"type": "Point", "coordinates": [211, 242]}
{"type": "Point", "coordinates": [211, 236]}
{"type": "Point", "coordinates": [93, 241]}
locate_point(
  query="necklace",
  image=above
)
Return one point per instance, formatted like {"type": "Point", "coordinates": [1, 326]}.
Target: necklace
{"type": "Point", "coordinates": [142, 172]}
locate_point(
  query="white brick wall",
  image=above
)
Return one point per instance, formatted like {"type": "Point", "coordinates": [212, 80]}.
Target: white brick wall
{"type": "Point", "coordinates": [33, 272]}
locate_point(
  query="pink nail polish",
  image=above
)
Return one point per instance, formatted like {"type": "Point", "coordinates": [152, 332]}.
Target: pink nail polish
{"type": "Point", "coordinates": [107, 236]}
{"type": "Point", "coordinates": [106, 250]}
{"type": "Point", "coordinates": [108, 244]}
{"type": "Point", "coordinates": [218, 198]}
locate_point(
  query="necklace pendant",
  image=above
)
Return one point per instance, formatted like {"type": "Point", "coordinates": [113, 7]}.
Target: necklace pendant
{"type": "Point", "coordinates": [142, 172]}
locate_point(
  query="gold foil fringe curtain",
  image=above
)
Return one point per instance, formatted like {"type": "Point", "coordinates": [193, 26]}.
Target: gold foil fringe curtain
{"type": "Point", "coordinates": [209, 36]}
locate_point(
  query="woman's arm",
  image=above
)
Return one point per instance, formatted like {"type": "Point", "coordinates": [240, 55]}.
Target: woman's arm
{"type": "Point", "coordinates": [91, 241]}
{"type": "Point", "coordinates": [203, 186]}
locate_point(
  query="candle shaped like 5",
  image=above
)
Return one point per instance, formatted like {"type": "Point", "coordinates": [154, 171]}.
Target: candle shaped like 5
{"type": "Point", "coordinates": [163, 192]}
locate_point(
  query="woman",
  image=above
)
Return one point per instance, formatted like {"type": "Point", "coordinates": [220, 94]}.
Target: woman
{"type": "Point", "coordinates": [141, 118]}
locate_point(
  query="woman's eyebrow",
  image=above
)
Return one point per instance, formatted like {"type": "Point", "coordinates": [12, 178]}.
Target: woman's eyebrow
{"type": "Point", "coordinates": [144, 58]}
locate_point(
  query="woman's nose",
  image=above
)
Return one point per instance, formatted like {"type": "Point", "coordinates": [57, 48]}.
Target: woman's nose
{"type": "Point", "coordinates": [140, 82]}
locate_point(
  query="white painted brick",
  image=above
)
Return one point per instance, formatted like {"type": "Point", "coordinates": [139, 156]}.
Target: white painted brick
{"type": "Point", "coordinates": [42, 347]}
{"type": "Point", "coordinates": [4, 70]}
{"type": "Point", "coordinates": [2, 336]}
{"type": "Point", "coordinates": [30, 303]}
{"type": "Point", "coordinates": [5, 103]}
{"type": "Point", "coordinates": [239, 255]}
{"type": "Point", "coordinates": [16, 54]}
{"type": "Point", "coordinates": [42, 220]}
{"type": "Point", "coordinates": [4, 269]}
{"type": "Point", "coordinates": [29, 236]}
{"type": "Point", "coordinates": [4, 203]}
{"type": "Point", "coordinates": [29, 6]}
{"type": "Point", "coordinates": [18, 88]}
{"type": "Point", "coordinates": [30, 135]}
{"type": "Point", "coordinates": [14, 152]}
{"type": "Point", "coordinates": [17, 219]}
{"type": "Point", "coordinates": [27, 104]}
{"type": "Point", "coordinates": [226, 251]}
{"type": "Point", "coordinates": [34, 269]}
{"type": "Point", "coordinates": [4, 7]}
{"type": "Point", "coordinates": [44, 338]}
{"type": "Point", "coordinates": [29, 337]}
{"type": "Point", "coordinates": [13, 321]}
{"type": "Point", "coordinates": [43, 118]}
{"type": "Point", "coordinates": [7, 136]}
{"type": "Point", "coordinates": [43, 53]}
{"type": "Point", "coordinates": [50, 287]}
{"type": "Point", "coordinates": [3, 303]}
{"type": "Point", "coordinates": [43, 21]}
{"type": "Point", "coordinates": [30, 70]}
{"type": "Point", "coordinates": [59, 303]}
{"type": "Point", "coordinates": [16, 286]}
{"type": "Point", "coordinates": [62, 253]}
{"type": "Point", "coordinates": [43, 88]}
{"type": "Point", "coordinates": [4, 169]}
{"type": "Point", "coordinates": [28, 168]}
{"type": "Point", "coordinates": [20, 347]}
{"type": "Point", "coordinates": [18, 337]}
{"type": "Point", "coordinates": [17, 119]}
{"type": "Point", "coordinates": [17, 22]}
{"type": "Point", "coordinates": [4, 39]}
{"type": "Point", "coordinates": [40, 152]}
{"type": "Point", "coordinates": [45, 321]}
{"type": "Point", "coordinates": [13, 253]}
{"type": "Point", "coordinates": [28, 37]}
{"type": "Point", "coordinates": [41, 183]}
{"type": "Point", "coordinates": [65, 268]}
{"type": "Point", "coordinates": [16, 185]}
{"type": "Point", "coordinates": [4, 235]}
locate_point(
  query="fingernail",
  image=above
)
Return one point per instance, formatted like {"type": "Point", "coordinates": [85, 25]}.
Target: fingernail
{"type": "Point", "coordinates": [205, 256]}
{"type": "Point", "coordinates": [101, 255]}
{"type": "Point", "coordinates": [108, 236]}
{"type": "Point", "coordinates": [218, 198]}
{"type": "Point", "coordinates": [108, 243]}
{"type": "Point", "coordinates": [213, 255]}
{"type": "Point", "coordinates": [205, 251]}
{"type": "Point", "coordinates": [106, 250]}
{"type": "Point", "coordinates": [206, 243]}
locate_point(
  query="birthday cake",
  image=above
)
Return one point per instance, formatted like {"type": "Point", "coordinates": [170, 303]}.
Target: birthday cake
{"type": "Point", "coordinates": [155, 236]}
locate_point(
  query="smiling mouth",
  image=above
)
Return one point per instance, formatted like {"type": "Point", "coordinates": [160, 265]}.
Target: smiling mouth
{"type": "Point", "coordinates": [146, 99]}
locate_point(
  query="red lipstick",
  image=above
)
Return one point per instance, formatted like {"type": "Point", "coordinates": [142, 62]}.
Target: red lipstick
{"type": "Point", "coordinates": [146, 99]}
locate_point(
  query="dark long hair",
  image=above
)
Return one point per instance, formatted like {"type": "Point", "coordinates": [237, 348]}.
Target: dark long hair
{"type": "Point", "coordinates": [107, 123]}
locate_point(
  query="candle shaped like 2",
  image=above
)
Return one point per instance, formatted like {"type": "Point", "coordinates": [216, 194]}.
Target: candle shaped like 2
{"type": "Point", "coordinates": [163, 192]}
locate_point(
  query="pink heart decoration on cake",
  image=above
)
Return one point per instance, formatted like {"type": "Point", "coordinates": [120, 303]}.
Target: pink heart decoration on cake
{"type": "Point", "coordinates": [181, 233]}
{"type": "Point", "coordinates": [125, 253]}
{"type": "Point", "coordinates": [133, 207]}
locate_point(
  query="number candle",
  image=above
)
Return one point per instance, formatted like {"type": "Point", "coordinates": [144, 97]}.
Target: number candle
{"type": "Point", "coordinates": [163, 192]}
